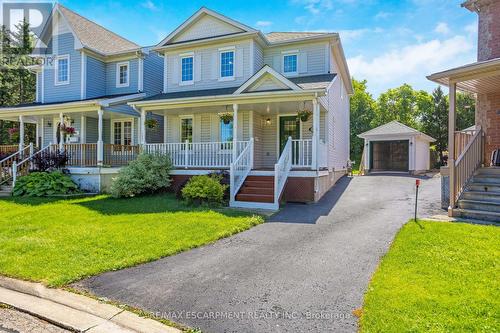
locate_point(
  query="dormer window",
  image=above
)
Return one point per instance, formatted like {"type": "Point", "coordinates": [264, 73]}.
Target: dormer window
{"type": "Point", "coordinates": [62, 70]}
{"type": "Point", "coordinates": [187, 64]}
{"type": "Point", "coordinates": [227, 63]}
{"type": "Point", "coordinates": [290, 63]}
{"type": "Point", "coordinates": [122, 74]}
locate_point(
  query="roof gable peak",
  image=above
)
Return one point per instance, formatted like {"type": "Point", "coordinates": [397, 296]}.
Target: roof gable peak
{"type": "Point", "coordinates": [277, 80]}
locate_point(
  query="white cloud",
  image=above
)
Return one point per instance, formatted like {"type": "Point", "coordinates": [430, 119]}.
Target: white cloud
{"type": "Point", "coordinates": [411, 64]}
{"type": "Point", "coordinates": [471, 29]}
{"type": "Point", "coordinates": [348, 35]}
{"type": "Point", "coordinates": [148, 4]}
{"type": "Point", "coordinates": [315, 7]}
{"type": "Point", "coordinates": [442, 28]}
{"type": "Point", "coordinates": [382, 15]}
{"type": "Point", "coordinates": [263, 24]}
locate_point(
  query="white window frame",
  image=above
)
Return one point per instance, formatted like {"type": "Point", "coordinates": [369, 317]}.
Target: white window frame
{"type": "Point", "coordinates": [224, 50]}
{"type": "Point", "coordinates": [56, 70]}
{"type": "Point", "coordinates": [181, 57]}
{"type": "Point", "coordinates": [286, 54]}
{"type": "Point", "coordinates": [118, 66]}
{"type": "Point", "coordinates": [181, 118]}
{"type": "Point", "coordinates": [122, 120]}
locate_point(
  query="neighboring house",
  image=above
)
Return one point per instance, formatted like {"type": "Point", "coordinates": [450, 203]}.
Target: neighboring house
{"type": "Point", "coordinates": [396, 147]}
{"type": "Point", "coordinates": [473, 191]}
{"type": "Point", "coordinates": [230, 97]}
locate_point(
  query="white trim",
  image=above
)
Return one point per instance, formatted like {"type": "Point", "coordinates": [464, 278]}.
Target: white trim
{"type": "Point", "coordinates": [122, 120]}
{"type": "Point", "coordinates": [140, 79]}
{"type": "Point", "coordinates": [118, 66]}
{"type": "Point", "coordinates": [37, 89]}
{"type": "Point", "coordinates": [118, 100]}
{"type": "Point", "coordinates": [260, 73]}
{"type": "Point", "coordinates": [56, 70]}
{"type": "Point", "coordinates": [289, 51]}
{"type": "Point", "coordinates": [289, 54]}
{"type": "Point", "coordinates": [165, 73]}
{"type": "Point", "coordinates": [43, 85]}
{"type": "Point", "coordinates": [83, 129]}
{"type": "Point", "coordinates": [83, 81]}
{"type": "Point", "coordinates": [181, 117]}
{"type": "Point", "coordinates": [228, 49]}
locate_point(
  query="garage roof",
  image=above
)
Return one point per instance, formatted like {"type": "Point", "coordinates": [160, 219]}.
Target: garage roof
{"type": "Point", "coordinates": [392, 129]}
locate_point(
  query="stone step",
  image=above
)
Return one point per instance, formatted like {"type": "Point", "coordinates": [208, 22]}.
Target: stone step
{"type": "Point", "coordinates": [483, 187]}
{"type": "Point", "coordinates": [489, 171]}
{"type": "Point", "coordinates": [486, 178]}
{"type": "Point", "coordinates": [481, 196]}
{"type": "Point", "coordinates": [255, 197]}
{"type": "Point", "coordinates": [478, 215]}
{"type": "Point", "coordinates": [488, 206]}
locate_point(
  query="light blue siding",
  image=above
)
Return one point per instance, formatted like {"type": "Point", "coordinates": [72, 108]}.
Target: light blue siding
{"type": "Point", "coordinates": [111, 88]}
{"type": "Point", "coordinates": [66, 92]}
{"type": "Point", "coordinates": [92, 130]}
{"type": "Point", "coordinates": [96, 78]}
{"type": "Point", "coordinates": [153, 74]}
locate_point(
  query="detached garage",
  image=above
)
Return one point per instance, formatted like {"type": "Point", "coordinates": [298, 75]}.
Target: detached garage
{"type": "Point", "coordinates": [395, 147]}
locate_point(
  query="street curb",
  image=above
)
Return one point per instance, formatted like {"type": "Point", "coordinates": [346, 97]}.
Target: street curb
{"type": "Point", "coordinates": [89, 309]}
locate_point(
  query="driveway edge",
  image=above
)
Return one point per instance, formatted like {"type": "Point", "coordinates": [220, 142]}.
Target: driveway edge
{"type": "Point", "coordinates": [72, 311]}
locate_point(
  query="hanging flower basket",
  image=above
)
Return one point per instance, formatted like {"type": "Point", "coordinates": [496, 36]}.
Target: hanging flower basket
{"type": "Point", "coordinates": [304, 115]}
{"type": "Point", "coordinates": [13, 134]}
{"type": "Point", "coordinates": [226, 117]}
{"type": "Point", "coordinates": [152, 123]}
{"type": "Point", "coordinates": [67, 130]}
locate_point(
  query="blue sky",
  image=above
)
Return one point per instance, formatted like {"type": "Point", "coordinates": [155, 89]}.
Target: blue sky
{"type": "Point", "coordinates": [387, 42]}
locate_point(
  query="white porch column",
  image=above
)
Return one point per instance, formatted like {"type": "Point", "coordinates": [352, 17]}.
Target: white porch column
{"type": "Point", "coordinates": [37, 133]}
{"type": "Point", "coordinates": [61, 137]}
{"type": "Point", "coordinates": [235, 131]}
{"type": "Point", "coordinates": [165, 129]}
{"type": "Point", "coordinates": [451, 144]}
{"type": "Point", "coordinates": [42, 132]}
{"type": "Point", "coordinates": [21, 133]}
{"type": "Point", "coordinates": [142, 139]}
{"type": "Point", "coordinates": [83, 129]}
{"type": "Point", "coordinates": [100, 142]}
{"type": "Point", "coordinates": [315, 136]}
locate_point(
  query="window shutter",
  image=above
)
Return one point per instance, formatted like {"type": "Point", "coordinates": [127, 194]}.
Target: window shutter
{"type": "Point", "coordinates": [277, 63]}
{"type": "Point", "coordinates": [302, 62]}
{"type": "Point", "coordinates": [197, 67]}
{"type": "Point", "coordinates": [215, 65]}
{"type": "Point", "coordinates": [175, 70]}
{"type": "Point", "coordinates": [239, 62]}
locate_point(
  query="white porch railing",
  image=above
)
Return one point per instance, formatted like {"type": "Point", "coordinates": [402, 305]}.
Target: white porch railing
{"type": "Point", "coordinates": [240, 169]}
{"type": "Point", "coordinates": [199, 154]}
{"type": "Point", "coordinates": [301, 153]}
{"type": "Point", "coordinates": [7, 163]}
{"type": "Point", "coordinates": [23, 167]}
{"type": "Point", "coordinates": [466, 165]}
{"type": "Point", "coordinates": [281, 171]}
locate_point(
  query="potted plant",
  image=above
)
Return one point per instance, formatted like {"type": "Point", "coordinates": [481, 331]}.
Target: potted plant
{"type": "Point", "coordinates": [304, 115]}
{"type": "Point", "coordinates": [226, 117]}
{"type": "Point", "coordinates": [151, 123]}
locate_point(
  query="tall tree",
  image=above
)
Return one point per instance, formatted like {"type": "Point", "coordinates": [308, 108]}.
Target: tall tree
{"type": "Point", "coordinates": [363, 108]}
{"type": "Point", "coordinates": [435, 121]}
{"type": "Point", "coordinates": [466, 110]}
{"type": "Point", "coordinates": [397, 104]}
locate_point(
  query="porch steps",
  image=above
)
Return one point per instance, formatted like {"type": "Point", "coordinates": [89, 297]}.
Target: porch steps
{"type": "Point", "coordinates": [481, 198]}
{"type": "Point", "coordinates": [257, 189]}
{"type": "Point", "coordinates": [5, 190]}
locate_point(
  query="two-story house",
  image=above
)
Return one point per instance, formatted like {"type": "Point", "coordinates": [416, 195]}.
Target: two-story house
{"type": "Point", "coordinates": [272, 109]}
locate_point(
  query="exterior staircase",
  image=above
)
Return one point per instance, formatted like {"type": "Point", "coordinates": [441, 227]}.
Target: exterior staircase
{"type": "Point", "coordinates": [481, 198]}
{"type": "Point", "coordinates": [257, 189]}
{"type": "Point", "coordinates": [6, 190]}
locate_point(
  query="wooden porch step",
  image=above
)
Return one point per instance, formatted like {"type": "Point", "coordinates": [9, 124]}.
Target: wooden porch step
{"type": "Point", "coordinates": [259, 184]}
{"type": "Point", "coordinates": [260, 178]}
{"type": "Point", "coordinates": [257, 190]}
{"type": "Point", "coordinates": [268, 198]}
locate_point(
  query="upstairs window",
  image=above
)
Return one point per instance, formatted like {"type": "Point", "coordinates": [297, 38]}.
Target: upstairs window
{"type": "Point", "coordinates": [187, 69]}
{"type": "Point", "coordinates": [62, 70]}
{"type": "Point", "coordinates": [290, 64]}
{"type": "Point", "coordinates": [227, 64]}
{"type": "Point", "coordinates": [122, 74]}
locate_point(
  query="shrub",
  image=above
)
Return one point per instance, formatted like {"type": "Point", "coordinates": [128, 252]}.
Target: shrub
{"type": "Point", "coordinates": [50, 160]}
{"type": "Point", "coordinates": [40, 184]}
{"type": "Point", "coordinates": [149, 173]}
{"type": "Point", "coordinates": [204, 189]}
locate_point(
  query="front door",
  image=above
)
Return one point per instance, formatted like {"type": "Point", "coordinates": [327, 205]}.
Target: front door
{"type": "Point", "coordinates": [289, 126]}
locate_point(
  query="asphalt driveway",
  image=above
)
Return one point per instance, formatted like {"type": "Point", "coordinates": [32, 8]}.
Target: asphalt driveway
{"type": "Point", "coordinates": [305, 270]}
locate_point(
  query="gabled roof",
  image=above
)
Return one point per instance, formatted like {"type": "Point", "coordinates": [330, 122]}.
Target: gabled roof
{"type": "Point", "coordinates": [394, 128]}
{"type": "Point", "coordinates": [202, 12]}
{"type": "Point", "coordinates": [278, 37]}
{"type": "Point", "coordinates": [282, 82]}
{"type": "Point", "coordinates": [93, 36]}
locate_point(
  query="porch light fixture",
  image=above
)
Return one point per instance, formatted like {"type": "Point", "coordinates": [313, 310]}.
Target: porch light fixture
{"type": "Point", "coordinates": [49, 123]}
{"type": "Point", "coordinates": [268, 121]}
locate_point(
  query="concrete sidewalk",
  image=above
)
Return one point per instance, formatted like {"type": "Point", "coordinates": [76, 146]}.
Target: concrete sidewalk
{"type": "Point", "coordinates": [74, 312]}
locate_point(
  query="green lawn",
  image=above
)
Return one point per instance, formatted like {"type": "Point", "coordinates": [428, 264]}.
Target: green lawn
{"type": "Point", "coordinates": [437, 277]}
{"type": "Point", "coordinates": [60, 241]}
